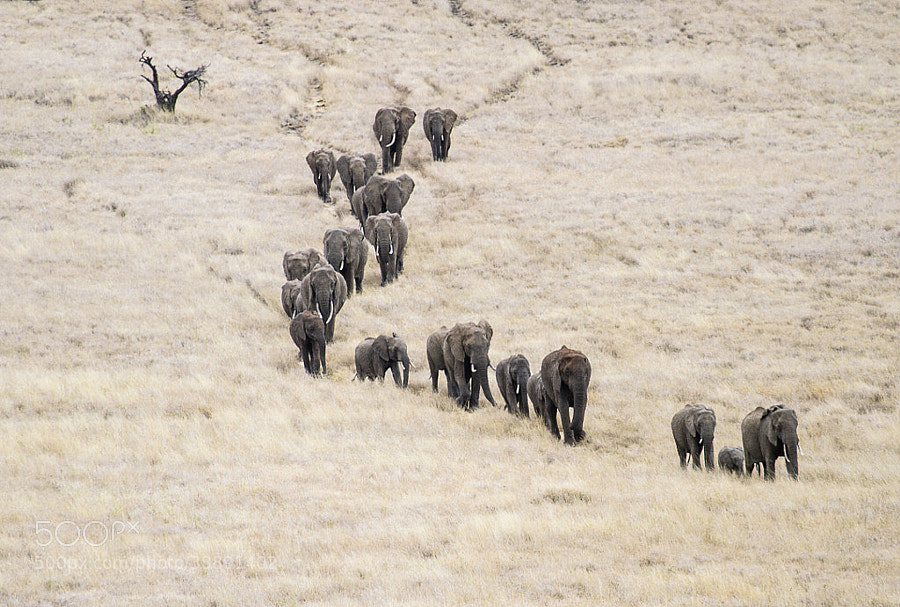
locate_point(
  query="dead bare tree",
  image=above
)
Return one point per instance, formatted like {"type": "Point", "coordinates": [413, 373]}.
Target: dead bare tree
{"type": "Point", "coordinates": [165, 99]}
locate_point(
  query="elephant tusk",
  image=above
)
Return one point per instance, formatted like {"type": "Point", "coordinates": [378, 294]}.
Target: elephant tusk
{"type": "Point", "coordinates": [342, 266]}
{"type": "Point", "coordinates": [799, 448]}
{"type": "Point", "coordinates": [393, 139]}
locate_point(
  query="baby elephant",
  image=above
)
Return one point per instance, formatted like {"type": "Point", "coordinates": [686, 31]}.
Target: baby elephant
{"type": "Point", "coordinates": [375, 355]}
{"type": "Point", "coordinates": [308, 332]}
{"type": "Point", "coordinates": [535, 388]}
{"type": "Point", "coordinates": [731, 459]}
{"type": "Point", "coordinates": [512, 379]}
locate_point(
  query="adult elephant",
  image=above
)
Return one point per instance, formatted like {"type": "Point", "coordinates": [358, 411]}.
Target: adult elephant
{"type": "Point", "coordinates": [391, 128]}
{"type": "Point", "coordinates": [731, 459]}
{"type": "Point", "coordinates": [308, 332]}
{"type": "Point", "coordinates": [694, 428]}
{"type": "Point", "coordinates": [355, 170]}
{"type": "Point", "coordinates": [512, 379]}
{"type": "Point", "coordinates": [388, 234]}
{"type": "Point", "coordinates": [434, 351]}
{"type": "Point", "coordinates": [535, 389]}
{"type": "Point", "coordinates": [382, 195]}
{"type": "Point", "coordinates": [438, 123]}
{"type": "Point", "coordinates": [324, 291]}
{"type": "Point", "coordinates": [769, 433]}
{"type": "Point", "coordinates": [321, 163]}
{"type": "Point", "coordinates": [465, 349]}
{"type": "Point", "coordinates": [566, 374]}
{"type": "Point", "coordinates": [375, 355]}
{"type": "Point", "coordinates": [347, 252]}
{"type": "Point", "coordinates": [289, 293]}
{"type": "Point", "coordinates": [297, 264]}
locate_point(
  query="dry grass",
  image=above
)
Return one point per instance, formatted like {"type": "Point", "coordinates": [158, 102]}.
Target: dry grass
{"type": "Point", "coordinates": [702, 197]}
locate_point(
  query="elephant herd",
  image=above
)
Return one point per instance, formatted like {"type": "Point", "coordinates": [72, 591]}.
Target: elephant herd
{"type": "Point", "coordinates": [767, 433]}
{"type": "Point", "coordinates": [319, 284]}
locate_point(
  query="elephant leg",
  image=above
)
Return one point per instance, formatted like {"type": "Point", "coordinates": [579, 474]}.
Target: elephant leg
{"type": "Point", "coordinates": [578, 425]}
{"type": "Point", "coordinates": [769, 468]}
{"type": "Point", "coordinates": [564, 422]}
{"type": "Point", "coordinates": [452, 388]}
{"type": "Point", "coordinates": [398, 153]}
{"type": "Point", "coordinates": [434, 379]}
{"type": "Point", "coordinates": [550, 419]}
{"type": "Point", "coordinates": [682, 456]}
{"type": "Point", "coordinates": [329, 332]}
{"type": "Point", "coordinates": [695, 455]}
{"type": "Point", "coordinates": [461, 379]}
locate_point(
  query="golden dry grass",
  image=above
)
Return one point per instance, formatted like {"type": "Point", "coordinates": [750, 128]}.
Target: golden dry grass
{"type": "Point", "coordinates": [702, 197]}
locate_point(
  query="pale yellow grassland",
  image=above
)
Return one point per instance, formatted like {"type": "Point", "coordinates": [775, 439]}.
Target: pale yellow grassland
{"type": "Point", "coordinates": [702, 197]}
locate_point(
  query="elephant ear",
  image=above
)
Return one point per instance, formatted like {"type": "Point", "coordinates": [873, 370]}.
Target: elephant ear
{"type": "Point", "coordinates": [311, 161]}
{"type": "Point", "coordinates": [370, 229]}
{"type": "Point", "coordinates": [340, 292]}
{"type": "Point", "coordinates": [343, 167]}
{"type": "Point", "coordinates": [455, 342]}
{"type": "Point", "coordinates": [690, 422]}
{"type": "Point", "coordinates": [371, 164]}
{"type": "Point", "coordinates": [488, 330]}
{"type": "Point", "coordinates": [426, 120]}
{"type": "Point", "coordinates": [407, 185]}
{"type": "Point", "coordinates": [449, 120]}
{"type": "Point", "coordinates": [381, 347]}
{"type": "Point", "coordinates": [305, 295]}
{"type": "Point", "coordinates": [396, 221]}
{"type": "Point", "coordinates": [772, 431]}
{"type": "Point", "coordinates": [407, 119]}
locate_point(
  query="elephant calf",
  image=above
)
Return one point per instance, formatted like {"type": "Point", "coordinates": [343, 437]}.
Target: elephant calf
{"type": "Point", "coordinates": [434, 350]}
{"type": "Point", "coordinates": [731, 459]}
{"type": "Point", "coordinates": [693, 428]}
{"type": "Point", "coordinates": [321, 163]}
{"type": "Point", "coordinates": [513, 374]}
{"type": "Point", "coordinates": [289, 293]}
{"type": "Point", "coordinates": [535, 388]}
{"type": "Point", "coordinates": [308, 332]}
{"type": "Point", "coordinates": [375, 355]}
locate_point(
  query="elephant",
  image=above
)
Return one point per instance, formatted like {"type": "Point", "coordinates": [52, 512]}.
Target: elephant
{"type": "Point", "coordinates": [388, 234]}
{"type": "Point", "coordinates": [324, 291]}
{"type": "Point", "coordinates": [347, 252]}
{"type": "Point", "coordinates": [382, 195]}
{"type": "Point", "coordinates": [535, 389]}
{"type": "Point", "coordinates": [731, 459]}
{"type": "Point", "coordinates": [694, 428]}
{"type": "Point", "coordinates": [355, 171]}
{"type": "Point", "coordinates": [321, 163]}
{"type": "Point", "coordinates": [466, 361]}
{"type": "Point", "coordinates": [566, 374]}
{"type": "Point", "coordinates": [769, 433]}
{"type": "Point", "coordinates": [375, 355]}
{"type": "Point", "coordinates": [391, 128]}
{"type": "Point", "coordinates": [438, 123]}
{"type": "Point", "coordinates": [289, 292]}
{"type": "Point", "coordinates": [434, 350]}
{"type": "Point", "coordinates": [513, 374]}
{"type": "Point", "coordinates": [297, 264]}
{"type": "Point", "coordinates": [308, 332]}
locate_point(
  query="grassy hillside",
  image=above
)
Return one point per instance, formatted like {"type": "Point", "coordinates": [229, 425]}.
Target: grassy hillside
{"type": "Point", "coordinates": [702, 197]}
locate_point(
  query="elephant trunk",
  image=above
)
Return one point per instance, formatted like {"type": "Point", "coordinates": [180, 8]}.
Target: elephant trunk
{"type": "Point", "coordinates": [522, 395]}
{"type": "Point", "coordinates": [706, 443]}
{"type": "Point", "coordinates": [791, 445]}
{"type": "Point", "coordinates": [481, 380]}
{"type": "Point", "coordinates": [437, 140]}
{"type": "Point", "coordinates": [335, 258]}
{"type": "Point", "coordinates": [324, 307]}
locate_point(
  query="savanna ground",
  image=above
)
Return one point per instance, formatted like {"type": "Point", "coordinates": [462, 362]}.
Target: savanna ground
{"type": "Point", "coordinates": [703, 197]}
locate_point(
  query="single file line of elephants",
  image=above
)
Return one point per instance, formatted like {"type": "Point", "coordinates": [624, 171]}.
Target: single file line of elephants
{"type": "Point", "coordinates": [319, 284]}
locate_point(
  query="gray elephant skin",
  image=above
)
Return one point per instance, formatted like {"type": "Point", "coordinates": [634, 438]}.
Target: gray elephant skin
{"type": "Point", "coordinates": [693, 428]}
{"type": "Point", "coordinates": [434, 352]}
{"type": "Point", "coordinates": [308, 332]}
{"type": "Point", "coordinates": [438, 123]}
{"type": "Point", "coordinates": [297, 264]}
{"type": "Point", "coordinates": [321, 163]}
{"type": "Point", "coordinates": [466, 360]}
{"type": "Point", "coordinates": [355, 170]}
{"type": "Point", "coordinates": [770, 433]}
{"type": "Point", "coordinates": [731, 459]}
{"type": "Point", "coordinates": [324, 291]}
{"type": "Point", "coordinates": [535, 389]}
{"type": "Point", "coordinates": [290, 291]}
{"type": "Point", "coordinates": [388, 234]}
{"type": "Point", "coordinates": [375, 355]}
{"type": "Point", "coordinates": [513, 374]}
{"type": "Point", "coordinates": [347, 252]}
{"type": "Point", "coordinates": [391, 128]}
{"type": "Point", "coordinates": [566, 375]}
{"type": "Point", "coordinates": [382, 195]}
